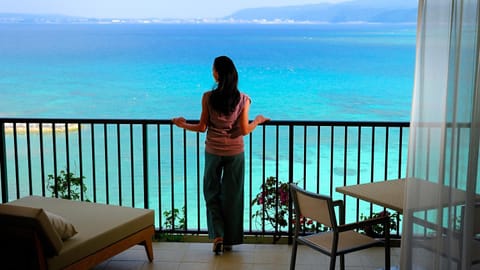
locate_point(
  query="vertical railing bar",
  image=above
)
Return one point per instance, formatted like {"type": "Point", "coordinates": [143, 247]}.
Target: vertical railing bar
{"type": "Point", "coordinates": [305, 155]}
{"type": "Point", "coordinates": [385, 164]}
{"type": "Point", "coordinates": [105, 146]}
{"type": "Point", "coordinates": [29, 158]}
{"type": "Point", "coordinates": [345, 144]}
{"type": "Point", "coordinates": [427, 170]}
{"type": "Point", "coordinates": [290, 152]}
{"type": "Point", "coordinates": [359, 157]}
{"type": "Point", "coordinates": [427, 163]}
{"type": "Point", "coordinates": [94, 178]}
{"type": "Point", "coordinates": [277, 156]}
{"type": "Point", "coordinates": [80, 160]}
{"type": "Point", "coordinates": [387, 137]}
{"type": "Point", "coordinates": [185, 173]}
{"type": "Point", "coordinates": [146, 181]}
{"type": "Point", "coordinates": [372, 162]}
{"type": "Point", "coordinates": [3, 163]}
{"type": "Point", "coordinates": [132, 164]}
{"type": "Point", "coordinates": [262, 184]}
{"type": "Point", "coordinates": [264, 177]}
{"type": "Point", "coordinates": [250, 165]}
{"type": "Point", "coordinates": [42, 158]}
{"type": "Point", "coordinates": [198, 181]}
{"type": "Point", "coordinates": [457, 160]}
{"type": "Point", "coordinates": [332, 151]}
{"type": "Point", "coordinates": [159, 181]}
{"type": "Point", "coordinates": [67, 157]}
{"type": "Point", "coordinates": [319, 141]}
{"type": "Point", "coordinates": [172, 182]}
{"type": "Point", "coordinates": [54, 147]}
{"type": "Point", "coordinates": [119, 164]}
{"type": "Point", "coordinates": [290, 179]}
{"type": "Point", "coordinates": [15, 143]}
{"type": "Point", "coordinates": [400, 148]}
{"type": "Point", "coordinates": [412, 144]}
{"type": "Point", "coordinates": [277, 149]}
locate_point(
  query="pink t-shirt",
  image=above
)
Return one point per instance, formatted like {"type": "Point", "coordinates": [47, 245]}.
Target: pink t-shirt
{"type": "Point", "coordinates": [223, 133]}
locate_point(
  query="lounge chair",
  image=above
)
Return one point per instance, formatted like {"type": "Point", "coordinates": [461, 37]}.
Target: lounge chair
{"type": "Point", "coordinates": [30, 240]}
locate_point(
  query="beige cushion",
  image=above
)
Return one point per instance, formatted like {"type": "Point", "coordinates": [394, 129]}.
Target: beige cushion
{"type": "Point", "coordinates": [15, 216]}
{"type": "Point", "coordinates": [64, 228]}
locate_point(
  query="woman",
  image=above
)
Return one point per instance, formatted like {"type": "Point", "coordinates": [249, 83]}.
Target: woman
{"type": "Point", "coordinates": [225, 118]}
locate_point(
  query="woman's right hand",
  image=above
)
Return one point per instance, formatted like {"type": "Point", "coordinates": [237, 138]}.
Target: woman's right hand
{"type": "Point", "coordinates": [179, 121]}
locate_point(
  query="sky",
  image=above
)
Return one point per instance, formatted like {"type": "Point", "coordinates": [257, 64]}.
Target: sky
{"type": "Point", "coordinates": [184, 9]}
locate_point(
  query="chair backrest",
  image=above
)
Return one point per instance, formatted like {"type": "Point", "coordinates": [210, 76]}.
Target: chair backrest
{"type": "Point", "coordinates": [314, 206]}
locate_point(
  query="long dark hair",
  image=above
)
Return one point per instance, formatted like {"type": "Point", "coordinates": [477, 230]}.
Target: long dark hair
{"type": "Point", "coordinates": [225, 96]}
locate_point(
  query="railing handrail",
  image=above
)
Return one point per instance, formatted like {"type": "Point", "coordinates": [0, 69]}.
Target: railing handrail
{"type": "Point", "coordinates": [47, 120]}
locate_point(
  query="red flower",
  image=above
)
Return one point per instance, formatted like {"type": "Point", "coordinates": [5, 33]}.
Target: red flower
{"type": "Point", "coordinates": [260, 200]}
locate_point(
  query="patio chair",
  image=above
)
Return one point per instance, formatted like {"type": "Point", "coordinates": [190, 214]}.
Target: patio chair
{"type": "Point", "coordinates": [339, 239]}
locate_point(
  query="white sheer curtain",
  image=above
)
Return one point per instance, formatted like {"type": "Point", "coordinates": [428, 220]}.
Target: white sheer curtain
{"type": "Point", "coordinates": [439, 230]}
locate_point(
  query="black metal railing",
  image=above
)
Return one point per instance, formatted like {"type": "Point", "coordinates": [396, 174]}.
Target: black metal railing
{"type": "Point", "coordinates": [153, 164]}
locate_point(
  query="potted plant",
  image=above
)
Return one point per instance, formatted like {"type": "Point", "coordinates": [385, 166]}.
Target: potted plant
{"type": "Point", "coordinates": [274, 200]}
{"type": "Point", "coordinates": [174, 220]}
{"type": "Point", "coordinates": [377, 230]}
{"type": "Point", "coordinates": [67, 186]}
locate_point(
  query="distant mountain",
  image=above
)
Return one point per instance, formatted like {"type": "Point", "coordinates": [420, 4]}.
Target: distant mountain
{"type": "Point", "coordinates": [374, 11]}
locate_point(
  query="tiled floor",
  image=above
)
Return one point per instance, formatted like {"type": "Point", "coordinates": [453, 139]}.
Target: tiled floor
{"type": "Point", "coordinates": [198, 256]}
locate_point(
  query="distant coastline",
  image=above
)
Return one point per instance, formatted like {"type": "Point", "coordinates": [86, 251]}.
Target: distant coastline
{"type": "Point", "coordinates": [21, 128]}
{"type": "Point", "coordinates": [350, 12]}
{"type": "Point", "coordinates": [59, 19]}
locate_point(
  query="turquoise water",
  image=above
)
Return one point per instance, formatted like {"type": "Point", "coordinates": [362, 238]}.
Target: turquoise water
{"type": "Point", "coordinates": [292, 72]}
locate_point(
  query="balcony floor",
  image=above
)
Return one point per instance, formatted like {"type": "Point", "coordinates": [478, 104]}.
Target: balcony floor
{"type": "Point", "coordinates": [198, 256]}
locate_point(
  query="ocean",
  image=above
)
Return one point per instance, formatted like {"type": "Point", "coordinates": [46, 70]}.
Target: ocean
{"type": "Point", "coordinates": [349, 72]}
{"type": "Point", "coordinates": [346, 72]}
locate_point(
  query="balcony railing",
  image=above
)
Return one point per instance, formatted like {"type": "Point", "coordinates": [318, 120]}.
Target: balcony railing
{"type": "Point", "coordinates": [153, 164]}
